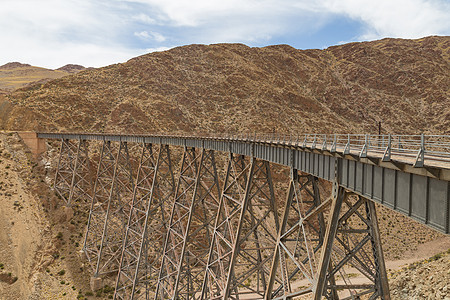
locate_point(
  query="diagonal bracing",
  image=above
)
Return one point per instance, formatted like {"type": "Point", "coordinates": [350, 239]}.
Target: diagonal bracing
{"type": "Point", "coordinates": [147, 225]}
{"type": "Point", "coordinates": [224, 233]}
{"type": "Point", "coordinates": [109, 209]}
{"type": "Point", "coordinates": [189, 233]}
{"type": "Point", "coordinates": [351, 244]}
{"type": "Point", "coordinates": [300, 238]}
{"type": "Point", "coordinates": [196, 241]}
{"type": "Point", "coordinates": [72, 178]}
{"type": "Point", "coordinates": [81, 187]}
{"type": "Point", "coordinates": [357, 249]}
{"type": "Point", "coordinates": [255, 231]}
{"type": "Point", "coordinates": [66, 169]}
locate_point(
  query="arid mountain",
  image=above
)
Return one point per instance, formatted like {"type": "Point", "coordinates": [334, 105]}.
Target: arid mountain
{"type": "Point", "coordinates": [217, 88]}
{"type": "Point", "coordinates": [232, 87]}
{"type": "Point", "coordinates": [14, 65]}
{"type": "Point", "coordinates": [71, 68]}
{"type": "Point", "coordinates": [16, 75]}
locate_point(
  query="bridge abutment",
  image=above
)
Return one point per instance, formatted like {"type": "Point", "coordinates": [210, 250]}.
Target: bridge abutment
{"type": "Point", "coordinates": [36, 145]}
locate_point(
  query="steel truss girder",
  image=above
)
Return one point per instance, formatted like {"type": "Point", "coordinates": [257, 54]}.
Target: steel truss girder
{"type": "Point", "coordinates": [109, 211]}
{"type": "Point", "coordinates": [72, 182]}
{"type": "Point", "coordinates": [300, 237]}
{"type": "Point", "coordinates": [82, 178]}
{"type": "Point", "coordinates": [188, 236]}
{"type": "Point", "coordinates": [352, 240]}
{"type": "Point", "coordinates": [147, 224]}
{"type": "Point", "coordinates": [214, 244]}
{"type": "Point", "coordinates": [224, 233]}
{"type": "Point", "coordinates": [253, 233]}
{"type": "Point", "coordinates": [65, 169]}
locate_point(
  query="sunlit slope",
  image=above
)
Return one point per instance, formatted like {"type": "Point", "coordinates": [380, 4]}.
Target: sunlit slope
{"type": "Point", "coordinates": [232, 87]}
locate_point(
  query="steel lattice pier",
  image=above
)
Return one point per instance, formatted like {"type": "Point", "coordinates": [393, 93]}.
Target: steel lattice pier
{"type": "Point", "coordinates": [168, 222]}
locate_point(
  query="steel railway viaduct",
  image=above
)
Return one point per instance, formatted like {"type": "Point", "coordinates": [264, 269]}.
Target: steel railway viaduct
{"type": "Point", "coordinates": [204, 232]}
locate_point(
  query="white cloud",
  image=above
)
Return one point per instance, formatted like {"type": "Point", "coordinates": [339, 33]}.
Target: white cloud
{"type": "Point", "coordinates": [52, 33]}
{"type": "Point", "coordinates": [200, 12]}
{"type": "Point", "coordinates": [142, 35]}
{"type": "Point", "coordinates": [158, 49]}
{"type": "Point", "coordinates": [263, 19]}
{"type": "Point", "coordinates": [54, 54]}
{"type": "Point", "coordinates": [400, 18]}
{"type": "Point", "coordinates": [150, 36]}
{"type": "Point", "coordinates": [158, 37]}
{"type": "Point", "coordinates": [144, 19]}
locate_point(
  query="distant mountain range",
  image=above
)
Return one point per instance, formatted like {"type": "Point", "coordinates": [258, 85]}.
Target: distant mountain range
{"type": "Point", "coordinates": [405, 84]}
{"type": "Point", "coordinates": [15, 75]}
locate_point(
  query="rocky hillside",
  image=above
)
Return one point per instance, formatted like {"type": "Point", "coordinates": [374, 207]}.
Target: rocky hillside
{"type": "Point", "coordinates": [40, 241]}
{"type": "Point", "coordinates": [71, 68]}
{"type": "Point", "coordinates": [425, 279]}
{"type": "Point", "coordinates": [16, 75]}
{"type": "Point", "coordinates": [232, 87]}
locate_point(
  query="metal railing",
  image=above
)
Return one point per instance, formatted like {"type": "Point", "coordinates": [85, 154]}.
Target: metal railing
{"type": "Point", "coordinates": [417, 147]}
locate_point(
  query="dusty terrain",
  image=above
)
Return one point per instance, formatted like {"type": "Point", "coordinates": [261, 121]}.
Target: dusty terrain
{"type": "Point", "coordinates": [423, 279]}
{"type": "Point", "coordinates": [40, 241]}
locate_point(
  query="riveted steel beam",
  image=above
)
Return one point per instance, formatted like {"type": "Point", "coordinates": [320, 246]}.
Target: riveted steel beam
{"type": "Point", "coordinates": [147, 224]}
{"type": "Point", "coordinates": [109, 209]}
{"type": "Point", "coordinates": [66, 170]}
{"type": "Point", "coordinates": [189, 232]}
{"type": "Point", "coordinates": [300, 238]}
{"type": "Point", "coordinates": [255, 236]}
{"type": "Point", "coordinates": [224, 233]}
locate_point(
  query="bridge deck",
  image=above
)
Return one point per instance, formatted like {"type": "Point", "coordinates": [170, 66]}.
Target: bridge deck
{"type": "Point", "coordinates": [410, 176]}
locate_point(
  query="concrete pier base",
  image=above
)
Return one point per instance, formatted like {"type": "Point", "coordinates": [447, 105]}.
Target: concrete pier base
{"type": "Point", "coordinates": [96, 283]}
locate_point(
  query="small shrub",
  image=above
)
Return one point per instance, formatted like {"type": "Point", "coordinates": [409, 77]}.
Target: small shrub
{"type": "Point", "coordinates": [107, 289]}
{"type": "Point", "coordinates": [62, 272]}
{"type": "Point", "coordinates": [436, 257]}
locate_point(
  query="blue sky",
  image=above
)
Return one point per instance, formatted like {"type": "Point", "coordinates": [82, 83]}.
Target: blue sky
{"type": "Point", "coordinates": [95, 33]}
